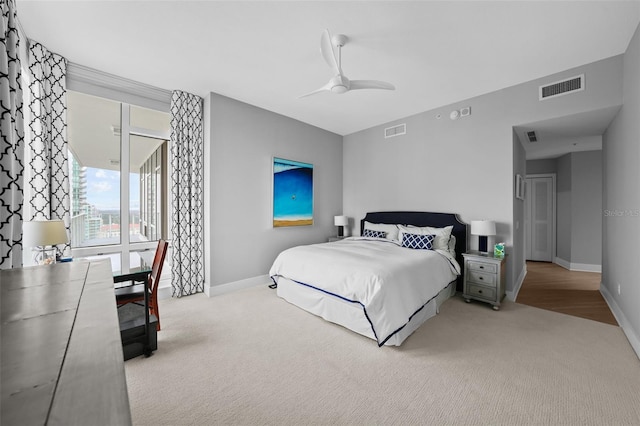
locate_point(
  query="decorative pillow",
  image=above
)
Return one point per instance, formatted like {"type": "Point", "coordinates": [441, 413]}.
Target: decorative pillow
{"type": "Point", "coordinates": [374, 234]}
{"type": "Point", "coordinates": [391, 230]}
{"type": "Point", "coordinates": [452, 245]}
{"type": "Point", "coordinates": [417, 241]}
{"type": "Point", "coordinates": [443, 235]}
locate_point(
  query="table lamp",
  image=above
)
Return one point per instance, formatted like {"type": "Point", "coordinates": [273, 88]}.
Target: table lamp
{"type": "Point", "coordinates": [483, 228]}
{"type": "Point", "coordinates": [43, 235]}
{"type": "Point", "coordinates": [342, 222]}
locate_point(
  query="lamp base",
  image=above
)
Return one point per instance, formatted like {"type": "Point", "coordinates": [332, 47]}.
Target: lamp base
{"type": "Point", "coordinates": [482, 243]}
{"type": "Point", "coordinates": [44, 255]}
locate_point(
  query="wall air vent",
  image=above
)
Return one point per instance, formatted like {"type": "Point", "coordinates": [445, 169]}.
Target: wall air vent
{"type": "Point", "coordinates": [564, 87]}
{"type": "Point", "coordinates": [532, 136]}
{"type": "Point", "coordinates": [398, 130]}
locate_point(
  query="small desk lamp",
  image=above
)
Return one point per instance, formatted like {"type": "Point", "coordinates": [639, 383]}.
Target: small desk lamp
{"type": "Point", "coordinates": [483, 228]}
{"type": "Point", "coordinates": [342, 222]}
{"type": "Point", "coordinates": [44, 235]}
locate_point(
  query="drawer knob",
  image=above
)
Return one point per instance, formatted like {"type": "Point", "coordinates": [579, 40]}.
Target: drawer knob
{"type": "Point", "coordinates": [481, 278]}
{"type": "Point", "coordinates": [479, 291]}
{"type": "Point", "coordinates": [481, 267]}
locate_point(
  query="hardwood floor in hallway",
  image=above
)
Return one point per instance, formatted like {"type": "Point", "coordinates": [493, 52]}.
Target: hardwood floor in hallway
{"type": "Point", "coordinates": [551, 287]}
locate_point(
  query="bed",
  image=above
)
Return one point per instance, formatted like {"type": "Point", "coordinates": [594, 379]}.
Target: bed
{"type": "Point", "coordinates": [379, 284]}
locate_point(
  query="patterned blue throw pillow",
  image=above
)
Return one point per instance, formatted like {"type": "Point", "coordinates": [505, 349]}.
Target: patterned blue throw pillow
{"type": "Point", "coordinates": [416, 241]}
{"type": "Point", "coordinates": [370, 233]}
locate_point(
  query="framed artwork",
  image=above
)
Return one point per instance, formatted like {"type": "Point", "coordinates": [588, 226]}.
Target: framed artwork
{"type": "Point", "coordinates": [519, 187]}
{"type": "Point", "coordinates": [292, 193]}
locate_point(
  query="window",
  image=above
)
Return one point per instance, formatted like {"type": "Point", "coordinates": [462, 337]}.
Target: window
{"type": "Point", "coordinates": [118, 160]}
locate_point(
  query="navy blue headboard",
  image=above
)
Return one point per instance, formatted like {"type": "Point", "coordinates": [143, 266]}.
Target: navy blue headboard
{"type": "Point", "coordinates": [437, 220]}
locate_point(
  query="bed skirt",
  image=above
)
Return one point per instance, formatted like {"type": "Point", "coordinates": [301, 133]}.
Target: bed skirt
{"type": "Point", "coordinates": [351, 315]}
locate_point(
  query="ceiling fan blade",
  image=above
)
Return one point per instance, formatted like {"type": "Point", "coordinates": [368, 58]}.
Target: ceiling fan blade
{"type": "Point", "coordinates": [325, 88]}
{"type": "Point", "coordinates": [370, 84]}
{"type": "Point", "coordinates": [327, 52]}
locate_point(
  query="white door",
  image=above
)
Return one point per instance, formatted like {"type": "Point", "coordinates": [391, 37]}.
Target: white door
{"type": "Point", "coordinates": [539, 218]}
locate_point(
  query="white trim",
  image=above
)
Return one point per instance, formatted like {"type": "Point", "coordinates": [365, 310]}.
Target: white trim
{"type": "Point", "coordinates": [513, 295]}
{"type": "Point", "coordinates": [632, 335]}
{"type": "Point", "coordinates": [218, 290]}
{"type": "Point", "coordinates": [99, 83]}
{"type": "Point", "coordinates": [561, 262]}
{"type": "Point", "coordinates": [579, 267]}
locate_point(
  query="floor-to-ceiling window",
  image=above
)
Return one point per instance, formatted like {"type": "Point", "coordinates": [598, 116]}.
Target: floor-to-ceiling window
{"type": "Point", "coordinates": [118, 177]}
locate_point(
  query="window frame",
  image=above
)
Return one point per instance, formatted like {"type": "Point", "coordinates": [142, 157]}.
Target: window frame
{"type": "Point", "coordinates": [128, 93]}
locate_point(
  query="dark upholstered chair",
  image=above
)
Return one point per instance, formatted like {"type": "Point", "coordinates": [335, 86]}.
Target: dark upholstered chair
{"type": "Point", "coordinates": [135, 292]}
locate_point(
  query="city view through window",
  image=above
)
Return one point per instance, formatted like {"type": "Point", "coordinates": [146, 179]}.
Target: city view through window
{"type": "Point", "coordinates": [95, 206]}
{"type": "Point", "coordinates": [98, 205]}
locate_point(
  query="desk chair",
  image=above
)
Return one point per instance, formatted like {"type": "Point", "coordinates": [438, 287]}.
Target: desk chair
{"type": "Point", "coordinates": [135, 292]}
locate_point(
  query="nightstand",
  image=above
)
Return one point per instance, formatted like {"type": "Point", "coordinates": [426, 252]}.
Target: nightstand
{"type": "Point", "coordinates": [484, 278]}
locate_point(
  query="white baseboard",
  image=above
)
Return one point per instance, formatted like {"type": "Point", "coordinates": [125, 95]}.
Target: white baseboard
{"type": "Point", "coordinates": [580, 267]}
{"type": "Point", "coordinates": [627, 328]}
{"type": "Point", "coordinates": [165, 290]}
{"type": "Point", "coordinates": [513, 295]}
{"type": "Point", "coordinates": [217, 290]}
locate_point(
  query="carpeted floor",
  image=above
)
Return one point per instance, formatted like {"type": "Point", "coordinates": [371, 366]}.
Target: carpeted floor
{"type": "Point", "coordinates": [249, 357]}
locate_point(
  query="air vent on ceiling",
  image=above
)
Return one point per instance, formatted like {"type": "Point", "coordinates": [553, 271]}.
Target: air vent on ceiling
{"type": "Point", "coordinates": [564, 87]}
{"type": "Point", "coordinates": [398, 130]}
{"type": "Point", "coordinates": [532, 136]}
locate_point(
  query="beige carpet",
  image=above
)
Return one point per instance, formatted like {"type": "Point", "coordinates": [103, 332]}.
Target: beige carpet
{"type": "Point", "coordinates": [251, 358]}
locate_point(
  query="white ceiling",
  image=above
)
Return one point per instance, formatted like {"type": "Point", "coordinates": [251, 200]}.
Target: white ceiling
{"type": "Point", "coordinates": [560, 136]}
{"type": "Point", "coordinates": [94, 132]}
{"type": "Point", "coordinates": [267, 53]}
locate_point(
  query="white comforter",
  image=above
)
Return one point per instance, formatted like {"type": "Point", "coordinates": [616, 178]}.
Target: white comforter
{"type": "Point", "coordinates": [389, 281]}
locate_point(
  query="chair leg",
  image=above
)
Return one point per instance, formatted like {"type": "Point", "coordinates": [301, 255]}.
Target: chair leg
{"type": "Point", "coordinates": [156, 312]}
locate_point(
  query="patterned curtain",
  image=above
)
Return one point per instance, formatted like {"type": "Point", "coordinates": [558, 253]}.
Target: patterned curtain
{"type": "Point", "coordinates": [49, 198]}
{"type": "Point", "coordinates": [11, 140]}
{"type": "Point", "coordinates": [187, 177]}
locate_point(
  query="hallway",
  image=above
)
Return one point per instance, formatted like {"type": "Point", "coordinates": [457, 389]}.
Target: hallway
{"type": "Point", "coordinates": [551, 287]}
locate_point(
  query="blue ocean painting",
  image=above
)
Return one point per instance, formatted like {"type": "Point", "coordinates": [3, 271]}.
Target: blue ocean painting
{"type": "Point", "coordinates": [292, 193]}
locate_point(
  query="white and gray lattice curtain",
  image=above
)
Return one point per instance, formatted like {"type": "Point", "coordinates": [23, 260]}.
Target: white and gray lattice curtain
{"type": "Point", "coordinates": [187, 179]}
{"type": "Point", "coordinates": [49, 170]}
{"type": "Point", "coordinates": [11, 140]}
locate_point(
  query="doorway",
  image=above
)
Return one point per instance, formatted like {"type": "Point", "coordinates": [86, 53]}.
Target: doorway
{"type": "Point", "coordinates": [540, 217]}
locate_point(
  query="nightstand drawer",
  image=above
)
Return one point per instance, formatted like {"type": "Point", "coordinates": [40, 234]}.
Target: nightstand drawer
{"type": "Point", "coordinates": [491, 268]}
{"type": "Point", "coordinates": [482, 278]}
{"type": "Point", "coordinates": [488, 293]}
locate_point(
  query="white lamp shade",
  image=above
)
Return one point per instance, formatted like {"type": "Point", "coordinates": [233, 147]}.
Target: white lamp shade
{"type": "Point", "coordinates": [44, 233]}
{"type": "Point", "coordinates": [341, 221]}
{"type": "Point", "coordinates": [483, 227]}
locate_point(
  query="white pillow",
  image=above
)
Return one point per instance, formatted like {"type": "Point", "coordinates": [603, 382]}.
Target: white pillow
{"type": "Point", "coordinates": [452, 245]}
{"type": "Point", "coordinates": [391, 230]}
{"type": "Point", "coordinates": [443, 235]}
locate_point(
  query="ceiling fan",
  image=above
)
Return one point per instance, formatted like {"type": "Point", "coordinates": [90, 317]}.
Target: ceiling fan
{"type": "Point", "coordinates": [340, 83]}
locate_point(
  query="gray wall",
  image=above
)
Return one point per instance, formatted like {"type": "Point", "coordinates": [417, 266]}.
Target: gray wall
{"type": "Point", "coordinates": [465, 166]}
{"type": "Point", "coordinates": [564, 212]}
{"type": "Point", "coordinates": [578, 206]}
{"type": "Point", "coordinates": [241, 141]}
{"type": "Point", "coordinates": [586, 205]}
{"type": "Point", "coordinates": [541, 166]}
{"type": "Point", "coordinates": [518, 240]}
{"type": "Point", "coordinates": [621, 202]}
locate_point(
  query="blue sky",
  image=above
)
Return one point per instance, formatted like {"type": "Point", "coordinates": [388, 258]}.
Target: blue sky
{"type": "Point", "coordinates": [103, 189]}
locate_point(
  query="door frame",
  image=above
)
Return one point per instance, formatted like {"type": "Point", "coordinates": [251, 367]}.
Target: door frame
{"type": "Point", "coordinates": [554, 212]}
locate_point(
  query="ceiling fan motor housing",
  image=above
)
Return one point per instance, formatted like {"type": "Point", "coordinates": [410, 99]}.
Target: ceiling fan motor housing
{"type": "Point", "coordinates": [339, 40]}
{"type": "Point", "coordinates": [339, 84]}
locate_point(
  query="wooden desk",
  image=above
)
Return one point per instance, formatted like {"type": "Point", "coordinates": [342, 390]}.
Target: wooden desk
{"type": "Point", "coordinates": [61, 355]}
